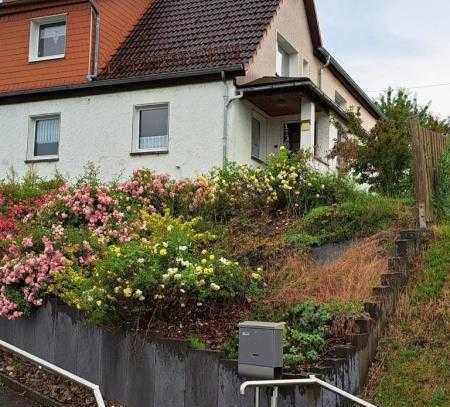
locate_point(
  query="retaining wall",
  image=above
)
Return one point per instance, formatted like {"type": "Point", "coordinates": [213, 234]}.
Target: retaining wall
{"type": "Point", "coordinates": [166, 373]}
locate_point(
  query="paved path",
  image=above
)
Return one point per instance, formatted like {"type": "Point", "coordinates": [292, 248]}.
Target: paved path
{"type": "Point", "coordinates": [9, 398]}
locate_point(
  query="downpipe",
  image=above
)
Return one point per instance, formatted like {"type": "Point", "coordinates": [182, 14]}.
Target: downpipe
{"type": "Point", "coordinates": [228, 100]}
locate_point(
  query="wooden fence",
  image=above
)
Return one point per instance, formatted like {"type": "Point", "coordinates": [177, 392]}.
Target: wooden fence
{"type": "Point", "coordinates": [428, 148]}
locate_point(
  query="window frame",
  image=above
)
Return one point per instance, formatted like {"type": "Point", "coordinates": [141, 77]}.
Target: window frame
{"type": "Point", "coordinates": [137, 109]}
{"type": "Point", "coordinates": [35, 27]}
{"type": "Point", "coordinates": [31, 141]}
{"type": "Point", "coordinates": [340, 100]}
{"type": "Point", "coordinates": [262, 137]}
{"type": "Point", "coordinates": [292, 55]}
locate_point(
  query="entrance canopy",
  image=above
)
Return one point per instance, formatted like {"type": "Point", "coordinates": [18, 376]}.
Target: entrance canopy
{"type": "Point", "coordinates": [278, 96]}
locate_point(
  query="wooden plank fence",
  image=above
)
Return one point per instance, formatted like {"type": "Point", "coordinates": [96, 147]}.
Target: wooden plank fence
{"type": "Point", "coordinates": [428, 148]}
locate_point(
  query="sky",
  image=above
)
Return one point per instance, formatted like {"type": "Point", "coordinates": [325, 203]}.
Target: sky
{"type": "Point", "coordinates": [398, 43]}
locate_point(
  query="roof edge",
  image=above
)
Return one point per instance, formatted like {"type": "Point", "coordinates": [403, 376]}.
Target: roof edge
{"type": "Point", "coordinates": [300, 82]}
{"type": "Point", "coordinates": [20, 6]}
{"type": "Point", "coordinates": [349, 83]}
{"type": "Point", "coordinates": [119, 85]}
{"type": "Point", "coordinates": [313, 23]}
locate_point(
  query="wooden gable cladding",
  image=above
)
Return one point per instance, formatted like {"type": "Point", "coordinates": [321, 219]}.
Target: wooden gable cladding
{"type": "Point", "coordinates": [116, 19]}
{"type": "Point", "coordinates": [18, 73]}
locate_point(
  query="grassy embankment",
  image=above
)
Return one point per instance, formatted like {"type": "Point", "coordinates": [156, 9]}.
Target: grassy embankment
{"type": "Point", "coordinates": [413, 362]}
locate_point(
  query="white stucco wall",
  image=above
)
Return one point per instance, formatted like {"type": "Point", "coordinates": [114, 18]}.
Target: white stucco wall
{"type": "Point", "coordinates": [99, 129]}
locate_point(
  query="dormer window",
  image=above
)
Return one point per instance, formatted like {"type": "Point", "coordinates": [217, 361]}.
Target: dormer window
{"type": "Point", "coordinates": [47, 38]}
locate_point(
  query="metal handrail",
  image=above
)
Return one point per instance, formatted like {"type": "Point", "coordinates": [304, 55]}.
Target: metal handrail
{"type": "Point", "coordinates": [58, 370]}
{"type": "Point", "coordinates": [292, 382]}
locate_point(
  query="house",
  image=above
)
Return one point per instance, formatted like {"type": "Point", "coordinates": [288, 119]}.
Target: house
{"type": "Point", "coordinates": [179, 86]}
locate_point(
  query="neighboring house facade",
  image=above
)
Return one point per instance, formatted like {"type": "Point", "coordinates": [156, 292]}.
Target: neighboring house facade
{"type": "Point", "coordinates": [178, 86]}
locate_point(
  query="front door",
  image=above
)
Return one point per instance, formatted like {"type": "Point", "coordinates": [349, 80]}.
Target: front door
{"type": "Point", "coordinates": [291, 136]}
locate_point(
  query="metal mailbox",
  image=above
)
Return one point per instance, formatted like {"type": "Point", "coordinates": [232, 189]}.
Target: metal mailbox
{"type": "Point", "coordinates": [261, 349]}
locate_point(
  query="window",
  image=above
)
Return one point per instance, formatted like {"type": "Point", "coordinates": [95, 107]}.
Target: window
{"type": "Point", "coordinates": [43, 140]}
{"type": "Point", "coordinates": [48, 38]}
{"type": "Point", "coordinates": [287, 58]}
{"type": "Point", "coordinates": [151, 129]}
{"type": "Point", "coordinates": [340, 100]}
{"type": "Point", "coordinates": [282, 62]}
{"type": "Point", "coordinates": [256, 138]}
{"type": "Point", "coordinates": [259, 137]}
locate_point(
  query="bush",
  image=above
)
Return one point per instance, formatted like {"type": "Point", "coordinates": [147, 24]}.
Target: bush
{"type": "Point", "coordinates": [155, 235]}
{"type": "Point", "coordinates": [286, 183]}
{"type": "Point", "coordinates": [441, 197]}
{"type": "Point", "coordinates": [29, 187]}
{"type": "Point", "coordinates": [307, 327]}
{"type": "Point", "coordinates": [167, 270]}
{"type": "Point", "coordinates": [363, 216]}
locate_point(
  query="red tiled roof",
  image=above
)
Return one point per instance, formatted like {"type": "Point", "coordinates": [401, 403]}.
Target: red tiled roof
{"type": "Point", "coordinates": [189, 35]}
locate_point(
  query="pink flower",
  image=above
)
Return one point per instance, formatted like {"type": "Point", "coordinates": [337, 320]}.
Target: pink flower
{"type": "Point", "coordinates": [27, 242]}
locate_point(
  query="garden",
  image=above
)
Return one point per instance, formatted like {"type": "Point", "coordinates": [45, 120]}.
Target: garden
{"type": "Point", "coordinates": [189, 259]}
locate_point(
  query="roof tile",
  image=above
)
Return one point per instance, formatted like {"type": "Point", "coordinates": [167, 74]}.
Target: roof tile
{"type": "Point", "coordinates": [188, 35]}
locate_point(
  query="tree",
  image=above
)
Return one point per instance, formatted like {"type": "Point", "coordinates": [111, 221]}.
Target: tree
{"type": "Point", "coordinates": [382, 157]}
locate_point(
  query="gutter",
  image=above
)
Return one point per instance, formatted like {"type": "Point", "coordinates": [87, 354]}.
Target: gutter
{"type": "Point", "coordinates": [118, 85]}
{"type": "Point", "coordinates": [348, 82]}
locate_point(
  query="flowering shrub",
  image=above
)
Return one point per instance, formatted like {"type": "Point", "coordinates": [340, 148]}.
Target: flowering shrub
{"type": "Point", "coordinates": [159, 192]}
{"type": "Point", "coordinates": [286, 183]}
{"type": "Point", "coordinates": [124, 250]}
{"type": "Point", "coordinates": [28, 272]}
{"type": "Point", "coordinates": [168, 268]}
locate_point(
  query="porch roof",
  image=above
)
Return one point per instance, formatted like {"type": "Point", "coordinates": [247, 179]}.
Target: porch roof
{"type": "Point", "coordinates": [278, 96]}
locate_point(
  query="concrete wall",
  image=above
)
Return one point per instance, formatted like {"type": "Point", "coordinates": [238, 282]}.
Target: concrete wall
{"type": "Point", "coordinates": [99, 129]}
{"type": "Point", "coordinates": [169, 374]}
{"type": "Point", "coordinates": [291, 23]}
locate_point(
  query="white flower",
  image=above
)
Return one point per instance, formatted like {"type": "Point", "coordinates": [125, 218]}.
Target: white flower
{"type": "Point", "coordinates": [169, 228]}
{"type": "Point", "coordinates": [138, 293]}
{"type": "Point", "coordinates": [116, 290]}
{"type": "Point", "coordinates": [182, 291]}
{"type": "Point", "coordinates": [215, 287]}
{"type": "Point", "coordinates": [256, 276]}
{"type": "Point", "coordinates": [182, 248]}
{"type": "Point", "coordinates": [141, 261]}
{"type": "Point", "coordinates": [99, 303]}
{"type": "Point", "coordinates": [177, 276]}
{"type": "Point", "coordinates": [141, 298]}
{"type": "Point", "coordinates": [165, 244]}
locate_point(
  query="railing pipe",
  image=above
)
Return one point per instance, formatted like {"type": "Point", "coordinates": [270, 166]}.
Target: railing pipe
{"type": "Point", "coordinates": [296, 382]}
{"type": "Point", "coordinates": [95, 388]}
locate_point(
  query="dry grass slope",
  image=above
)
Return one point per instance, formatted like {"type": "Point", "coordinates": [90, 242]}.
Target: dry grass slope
{"type": "Point", "coordinates": [349, 278]}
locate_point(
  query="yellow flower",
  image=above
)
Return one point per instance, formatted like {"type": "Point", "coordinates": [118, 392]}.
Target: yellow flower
{"type": "Point", "coordinates": [163, 252]}
{"type": "Point", "coordinates": [128, 292]}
